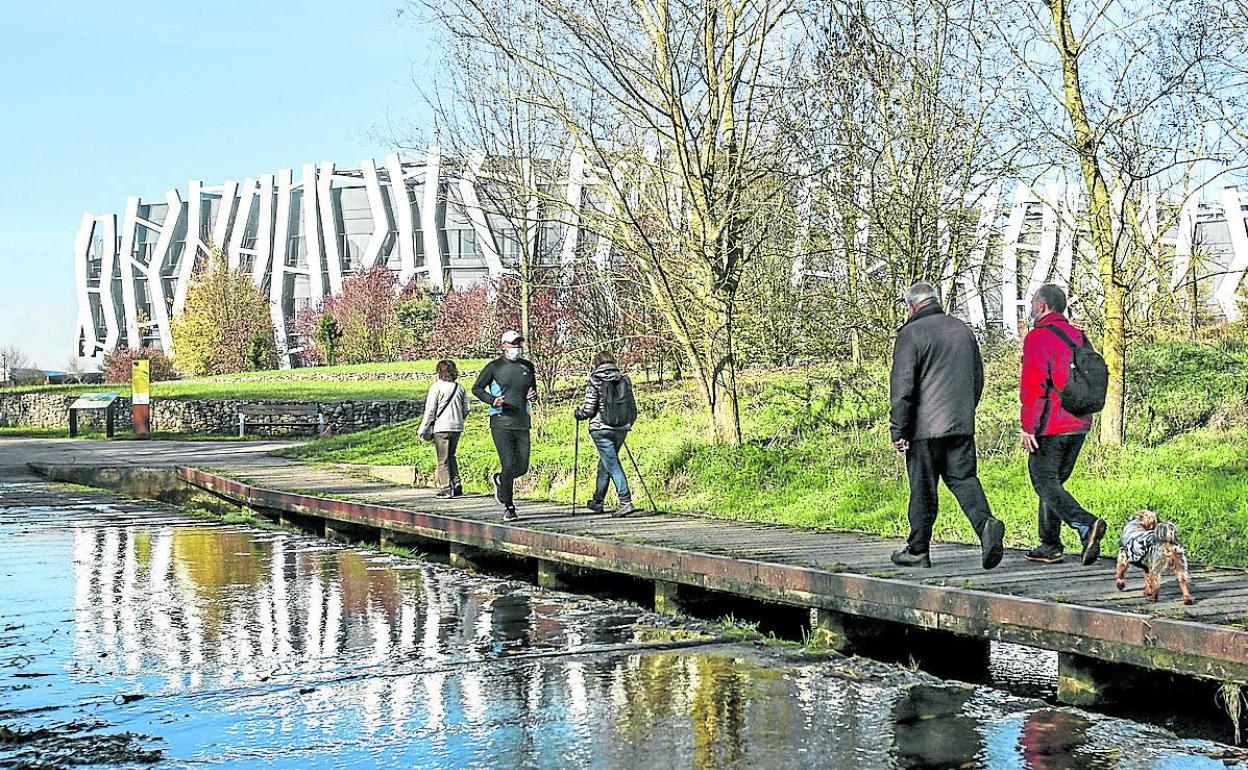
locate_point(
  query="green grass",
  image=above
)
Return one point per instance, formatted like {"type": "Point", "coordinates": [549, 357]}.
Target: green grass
{"type": "Point", "coordinates": [283, 385]}
{"type": "Point", "coordinates": [817, 453]}
{"type": "Point", "coordinates": [422, 366]}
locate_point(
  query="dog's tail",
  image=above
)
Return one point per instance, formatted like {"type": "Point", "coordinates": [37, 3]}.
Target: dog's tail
{"type": "Point", "coordinates": [1167, 533]}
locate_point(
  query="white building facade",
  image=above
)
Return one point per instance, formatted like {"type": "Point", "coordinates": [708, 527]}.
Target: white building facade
{"type": "Point", "coordinates": [299, 233]}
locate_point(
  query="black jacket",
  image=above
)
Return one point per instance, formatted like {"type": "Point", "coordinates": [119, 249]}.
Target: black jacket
{"type": "Point", "coordinates": [589, 408]}
{"type": "Point", "coordinates": [937, 378]}
{"type": "Point", "coordinates": [512, 380]}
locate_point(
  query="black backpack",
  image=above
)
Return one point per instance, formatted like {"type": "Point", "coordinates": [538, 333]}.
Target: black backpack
{"type": "Point", "coordinates": [616, 405]}
{"type": "Point", "coordinates": [1088, 382]}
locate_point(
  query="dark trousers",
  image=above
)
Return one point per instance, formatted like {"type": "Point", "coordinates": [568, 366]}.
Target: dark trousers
{"type": "Point", "coordinates": [513, 456]}
{"type": "Point", "coordinates": [951, 458]}
{"type": "Point", "coordinates": [444, 445]}
{"type": "Point", "coordinates": [610, 470]}
{"type": "Point", "coordinates": [1050, 466]}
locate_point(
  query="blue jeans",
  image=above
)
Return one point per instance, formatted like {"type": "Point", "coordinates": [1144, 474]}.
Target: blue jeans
{"type": "Point", "coordinates": [608, 442]}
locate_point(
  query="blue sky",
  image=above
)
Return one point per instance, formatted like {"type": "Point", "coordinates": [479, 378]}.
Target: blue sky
{"type": "Point", "coordinates": [101, 100]}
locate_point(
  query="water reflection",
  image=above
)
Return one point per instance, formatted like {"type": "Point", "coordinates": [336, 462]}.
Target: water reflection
{"type": "Point", "coordinates": [259, 647]}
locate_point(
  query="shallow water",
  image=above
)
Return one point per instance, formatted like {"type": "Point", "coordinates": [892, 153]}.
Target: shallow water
{"type": "Point", "coordinates": [130, 632]}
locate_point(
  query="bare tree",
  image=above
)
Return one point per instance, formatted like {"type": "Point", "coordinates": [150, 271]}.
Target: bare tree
{"type": "Point", "coordinates": [675, 105]}
{"type": "Point", "coordinates": [12, 358]}
{"type": "Point", "coordinates": [905, 135]}
{"type": "Point", "coordinates": [1132, 96]}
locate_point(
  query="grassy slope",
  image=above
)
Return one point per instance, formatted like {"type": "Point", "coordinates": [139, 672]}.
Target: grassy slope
{"type": "Point", "coordinates": [817, 453]}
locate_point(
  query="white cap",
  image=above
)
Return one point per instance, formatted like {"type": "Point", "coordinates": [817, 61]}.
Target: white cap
{"type": "Point", "coordinates": [512, 337]}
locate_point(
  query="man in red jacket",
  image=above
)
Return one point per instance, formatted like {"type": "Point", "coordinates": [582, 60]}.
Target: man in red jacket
{"type": "Point", "coordinates": [1051, 435]}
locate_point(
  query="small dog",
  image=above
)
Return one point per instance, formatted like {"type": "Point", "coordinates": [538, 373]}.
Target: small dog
{"type": "Point", "coordinates": [1152, 545]}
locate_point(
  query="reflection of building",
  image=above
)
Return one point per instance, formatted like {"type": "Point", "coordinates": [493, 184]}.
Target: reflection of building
{"type": "Point", "coordinates": [300, 235]}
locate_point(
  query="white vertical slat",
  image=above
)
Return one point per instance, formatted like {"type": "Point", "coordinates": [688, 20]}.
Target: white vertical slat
{"type": "Point", "coordinates": [1009, 260]}
{"type": "Point", "coordinates": [476, 215]}
{"type": "Point", "coordinates": [1237, 223]}
{"type": "Point", "coordinates": [1185, 246]}
{"type": "Point", "coordinates": [82, 251]}
{"type": "Point", "coordinates": [312, 233]}
{"type": "Point", "coordinates": [329, 227]}
{"type": "Point", "coordinates": [108, 262]}
{"type": "Point", "coordinates": [804, 208]}
{"type": "Point", "coordinates": [972, 299]}
{"type": "Point", "coordinates": [1072, 204]}
{"type": "Point", "coordinates": [245, 195]}
{"type": "Point", "coordinates": [263, 262]}
{"type": "Point", "coordinates": [377, 206]}
{"type": "Point", "coordinates": [225, 214]}
{"type": "Point", "coordinates": [576, 186]}
{"type": "Point", "coordinates": [128, 224]}
{"type": "Point", "coordinates": [156, 286]}
{"type": "Point", "coordinates": [401, 204]}
{"type": "Point", "coordinates": [429, 219]}
{"type": "Point", "coordinates": [277, 279]}
{"type": "Point", "coordinates": [1049, 223]}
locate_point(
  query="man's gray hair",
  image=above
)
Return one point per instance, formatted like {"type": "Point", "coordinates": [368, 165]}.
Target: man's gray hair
{"type": "Point", "coordinates": [1052, 296]}
{"type": "Point", "coordinates": [920, 293]}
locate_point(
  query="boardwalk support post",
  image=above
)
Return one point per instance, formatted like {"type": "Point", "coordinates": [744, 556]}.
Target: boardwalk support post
{"type": "Point", "coordinates": [827, 629]}
{"type": "Point", "coordinates": [1085, 682]}
{"type": "Point", "coordinates": [334, 533]}
{"type": "Point", "coordinates": [463, 557]}
{"type": "Point", "coordinates": [666, 597]}
{"type": "Point", "coordinates": [552, 575]}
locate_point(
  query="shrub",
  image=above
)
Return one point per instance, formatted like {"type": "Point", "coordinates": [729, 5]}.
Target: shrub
{"type": "Point", "coordinates": [119, 364]}
{"type": "Point", "coordinates": [418, 309]}
{"type": "Point", "coordinates": [225, 326]}
{"type": "Point", "coordinates": [328, 335]}
{"type": "Point", "coordinates": [467, 325]}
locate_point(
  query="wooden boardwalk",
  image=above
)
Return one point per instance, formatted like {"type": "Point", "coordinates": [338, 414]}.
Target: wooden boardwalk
{"type": "Point", "coordinates": [841, 576]}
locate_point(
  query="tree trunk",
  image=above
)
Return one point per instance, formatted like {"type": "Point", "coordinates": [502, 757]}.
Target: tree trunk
{"type": "Point", "coordinates": [1114, 344]}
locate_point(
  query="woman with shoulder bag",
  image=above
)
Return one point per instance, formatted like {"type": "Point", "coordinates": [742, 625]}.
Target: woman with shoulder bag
{"type": "Point", "coordinates": [446, 406]}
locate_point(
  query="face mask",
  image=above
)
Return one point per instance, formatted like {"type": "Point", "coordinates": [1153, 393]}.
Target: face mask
{"type": "Point", "coordinates": [512, 353]}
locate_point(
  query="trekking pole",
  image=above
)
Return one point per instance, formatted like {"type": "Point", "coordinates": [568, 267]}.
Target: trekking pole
{"type": "Point", "coordinates": [653, 508]}
{"type": "Point", "coordinates": [576, 458]}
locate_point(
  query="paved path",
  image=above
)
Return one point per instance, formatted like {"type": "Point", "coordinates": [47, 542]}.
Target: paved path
{"type": "Point", "coordinates": [15, 453]}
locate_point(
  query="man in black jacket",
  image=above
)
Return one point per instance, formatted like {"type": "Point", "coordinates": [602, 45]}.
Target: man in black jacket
{"type": "Point", "coordinates": [935, 386]}
{"type": "Point", "coordinates": [508, 384]}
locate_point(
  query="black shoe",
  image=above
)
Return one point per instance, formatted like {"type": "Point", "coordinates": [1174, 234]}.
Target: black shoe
{"type": "Point", "coordinates": [445, 493]}
{"type": "Point", "coordinates": [457, 490]}
{"type": "Point", "coordinates": [497, 480]}
{"type": "Point", "coordinates": [990, 542]}
{"type": "Point", "coordinates": [509, 514]}
{"type": "Point", "coordinates": [907, 558]}
{"type": "Point", "coordinates": [1092, 543]}
{"type": "Point", "coordinates": [1045, 554]}
{"type": "Point", "coordinates": [625, 509]}
{"type": "Point", "coordinates": [595, 506]}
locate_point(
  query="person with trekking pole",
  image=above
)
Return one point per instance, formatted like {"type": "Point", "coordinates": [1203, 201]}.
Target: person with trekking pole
{"type": "Point", "coordinates": [611, 409]}
{"type": "Point", "coordinates": [508, 384]}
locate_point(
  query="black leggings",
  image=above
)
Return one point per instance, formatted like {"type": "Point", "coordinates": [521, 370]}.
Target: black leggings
{"type": "Point", "coordinates": [513, 455]}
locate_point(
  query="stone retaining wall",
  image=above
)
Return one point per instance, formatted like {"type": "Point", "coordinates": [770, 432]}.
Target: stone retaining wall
{"type": "Point", "coordinates": [177, 415]}
{"type": "Point", "coordinates": [313, 374]}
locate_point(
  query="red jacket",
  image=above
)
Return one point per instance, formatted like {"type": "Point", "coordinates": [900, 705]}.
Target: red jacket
{"type": "Point", "coordinates": [1046, 360]}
